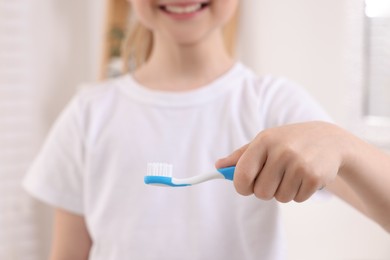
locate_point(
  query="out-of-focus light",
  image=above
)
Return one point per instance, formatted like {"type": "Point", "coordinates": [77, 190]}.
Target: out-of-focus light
{"type": "Point", "coordinates": [377, 8]}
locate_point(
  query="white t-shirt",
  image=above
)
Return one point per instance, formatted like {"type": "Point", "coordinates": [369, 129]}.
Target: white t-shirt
{"type": "Point", "coordinates": [95, 158]}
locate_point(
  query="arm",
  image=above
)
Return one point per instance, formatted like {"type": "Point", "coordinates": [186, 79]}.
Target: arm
{"type": "Point", "coordinates": [292, 162]}
{"type": "Point", "coordinates": [365, 175]}
{"type": "Point", "coordinates": [71, 240]}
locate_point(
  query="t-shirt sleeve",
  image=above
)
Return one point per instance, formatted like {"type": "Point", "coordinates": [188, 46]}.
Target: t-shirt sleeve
{"type": "Point", "coordinates": [286, 102]}
{"type": "Point", "coordinates": [56, 174]}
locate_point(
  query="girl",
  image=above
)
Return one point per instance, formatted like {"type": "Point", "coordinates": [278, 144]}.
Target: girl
{"type": "Point", "coordinates": [186, 103]}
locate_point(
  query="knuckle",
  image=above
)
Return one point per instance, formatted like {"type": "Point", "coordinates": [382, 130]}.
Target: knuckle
{"type": "Point", "coordinates": [265, 137]}
{"type": "Point", "coordinates": [242, 189]}
{"type": "Point", "coordinates": [243, 183]}
{"type": "Point", "coordinates": [262, 193]}
{"type": "Point", "coordinates": [303, 166]}
{"type": "Point", "coordinates": [303, 197]}
{"type": "Point", "coordinates": [243, 192]}
{"type": "Point", "coordinates": [283, 198]}
{"type": "Point", "coordinates": [289, 154]}
{"type": "Point", "coordinates": [241, 150]}
{"type": "Point", "coordinates": [308, 171]}
{"type": "Point", "coordinates": [299, 199]}
{"type": "Point", "coordinates": [242, 178]}
{"type": "Point", "coordinates": [313, 180]}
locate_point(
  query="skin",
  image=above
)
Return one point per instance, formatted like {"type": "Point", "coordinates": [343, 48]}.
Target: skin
{"type": "Point", "coordinates": [287, 163]}
{"type": "Point", "coordinates": [292, 162]}
{"type": "Point", "coordinates": [71, 239]}
{"type": "Point", "coordinates": [186, 54]}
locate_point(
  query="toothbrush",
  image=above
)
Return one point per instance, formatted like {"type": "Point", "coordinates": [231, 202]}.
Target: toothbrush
{"type": "Point", "coordinates": [160, 174]}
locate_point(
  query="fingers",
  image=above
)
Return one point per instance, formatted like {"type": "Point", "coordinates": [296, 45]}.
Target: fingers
{"type": "Point", "coordinates": [282, 180]}
{"type": "Point", "coordinates": [269, 179]}
{"type": "Point", "coordinates": [248, 169]}
{"type": "Point", "coordinates": [248, 160]}
{"type": "Point", "coordinates": [310, 185]}
{"type": "Point", "coordinates": [289, 187]}
{"type": "Point", "coordinates": [272, 166]}
{"type": "Point", "coordinates": [231, 159]}
{"type": "Point", "coordinates": [287, 180]}
{"type": "Point", "coordinates": [285, 185]}
{"type": "Point", "coordinates": [268, 176]}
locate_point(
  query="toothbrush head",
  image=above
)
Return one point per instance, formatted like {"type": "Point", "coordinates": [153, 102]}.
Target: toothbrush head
{"type": "Point", "coordinates": [160, 174]}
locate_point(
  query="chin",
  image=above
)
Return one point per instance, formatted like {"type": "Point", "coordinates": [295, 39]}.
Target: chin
{"type": "Point", "coordinates": [194, 38]}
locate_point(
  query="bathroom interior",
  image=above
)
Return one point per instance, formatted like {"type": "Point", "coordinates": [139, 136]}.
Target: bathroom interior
{"type": "Point", "coordinates": [339, 50]}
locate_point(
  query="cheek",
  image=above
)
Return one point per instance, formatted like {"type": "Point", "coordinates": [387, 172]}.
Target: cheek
{"type": "Point", "coordinates": [144, 11]}
{"type": "Point", "coordinates": [225, 9]}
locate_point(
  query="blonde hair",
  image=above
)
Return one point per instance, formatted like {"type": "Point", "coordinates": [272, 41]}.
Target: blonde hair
{"type": "Point", "coordinates": [138, 43]}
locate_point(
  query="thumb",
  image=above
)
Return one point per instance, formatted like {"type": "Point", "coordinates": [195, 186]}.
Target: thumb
{"type": "Point", "coordinates": [232, 159]}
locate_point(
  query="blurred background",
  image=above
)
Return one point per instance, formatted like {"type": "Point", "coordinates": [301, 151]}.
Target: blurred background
{"type": "Point", "coordinates": [339, 50]}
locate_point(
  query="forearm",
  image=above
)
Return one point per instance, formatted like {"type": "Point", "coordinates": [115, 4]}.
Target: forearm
{"type": "Point", "coordinates": [366, 170]}
{"type": "Point", "coordinates": [71, 240]}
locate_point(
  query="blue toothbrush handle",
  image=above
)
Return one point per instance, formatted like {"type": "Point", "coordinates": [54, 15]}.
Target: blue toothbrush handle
{"type": "Point", "coordinates": [227, 172]}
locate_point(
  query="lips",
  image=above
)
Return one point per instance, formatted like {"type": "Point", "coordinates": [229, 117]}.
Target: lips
{"type": "Point", "coordinates": [184, 8]}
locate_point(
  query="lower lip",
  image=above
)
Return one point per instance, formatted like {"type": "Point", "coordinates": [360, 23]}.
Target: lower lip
{"type": "Point", "coordinates": [185, 16]}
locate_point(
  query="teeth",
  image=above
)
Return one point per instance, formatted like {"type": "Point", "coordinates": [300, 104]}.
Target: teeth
{"type": "Point", "coordinates": [183, 9]}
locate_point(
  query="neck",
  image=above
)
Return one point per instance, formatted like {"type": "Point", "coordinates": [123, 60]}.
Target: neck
{"type": "Point", "coordinates": [178, 67]}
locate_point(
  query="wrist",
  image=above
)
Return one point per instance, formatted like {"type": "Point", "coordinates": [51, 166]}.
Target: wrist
{"type": "Point", "coordinates": [352, 151]}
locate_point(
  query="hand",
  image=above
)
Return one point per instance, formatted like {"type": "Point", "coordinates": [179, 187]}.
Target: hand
{"type": "Point", "coordinates": [288, 163]}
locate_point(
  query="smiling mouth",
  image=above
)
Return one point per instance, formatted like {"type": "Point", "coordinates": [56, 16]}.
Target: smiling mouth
{"type": "Point", "coordinates": [184, 9]}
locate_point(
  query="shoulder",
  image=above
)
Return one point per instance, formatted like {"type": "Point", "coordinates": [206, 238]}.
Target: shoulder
{"type": "Point", "coordinates": [268, 86]}
{"type": "Point", "coordinates": [93, 103]}
{"type": "Point", "coordinates": [282, 100]}
{"type": "Point", "coordinates": [97, 92]}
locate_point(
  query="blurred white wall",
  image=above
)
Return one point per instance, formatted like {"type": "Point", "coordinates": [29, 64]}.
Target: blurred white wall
{"type": "Point", "coordinates": [68, 39]}
{"type": "Point", "coordinates": [306, 41]}
{"type": "Point", "coordinates": [47, 49]}
{"type": "Point", "coordinates": [302, 40]}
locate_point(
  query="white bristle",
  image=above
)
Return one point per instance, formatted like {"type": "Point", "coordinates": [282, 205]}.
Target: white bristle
{"type": "Point", "coordinates": [159, 169]}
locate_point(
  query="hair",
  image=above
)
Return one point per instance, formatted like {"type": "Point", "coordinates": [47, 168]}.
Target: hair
{"type": "Point", "coordinates": [138, 43]}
